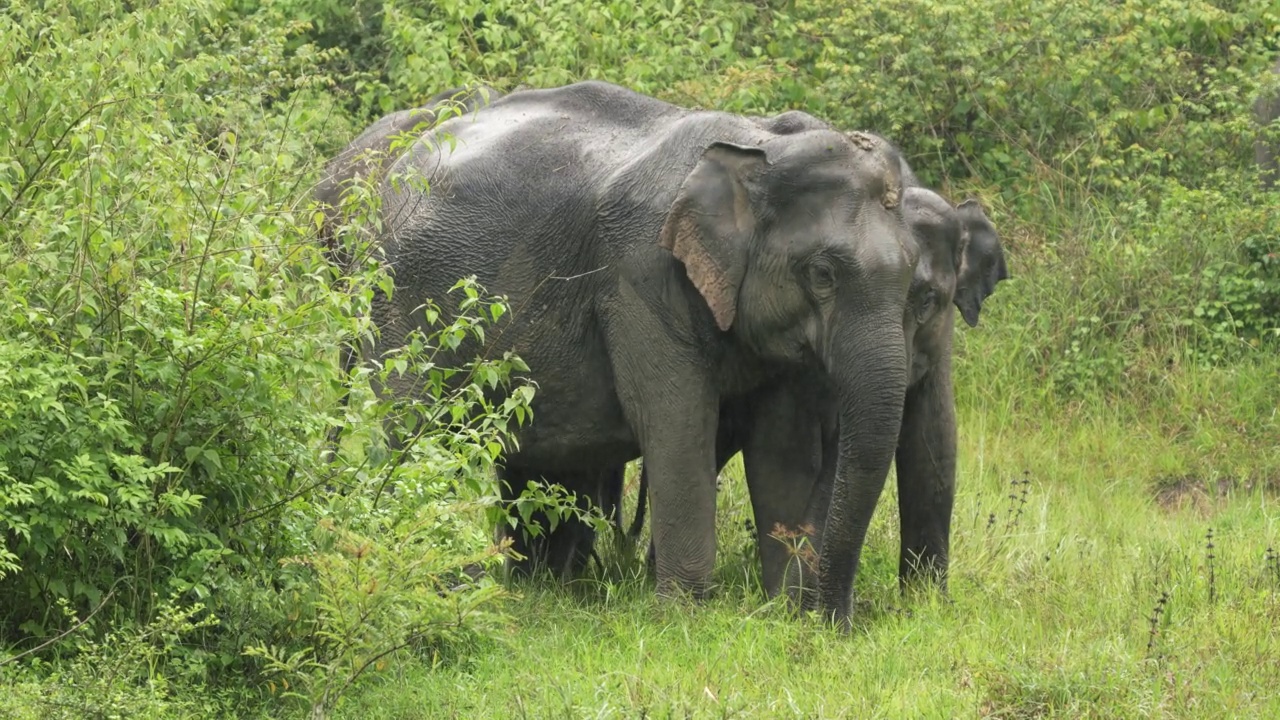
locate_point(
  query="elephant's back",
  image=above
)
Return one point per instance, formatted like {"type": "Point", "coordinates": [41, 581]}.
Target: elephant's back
{"type": "Point", "coordinates": [546, 149]}
{"type": "Point", "coordinates": [372, 148]}
{"type": "Point", "coordinates": [509, 193]}
{"type": "Point", "coordinates": [369, 148]}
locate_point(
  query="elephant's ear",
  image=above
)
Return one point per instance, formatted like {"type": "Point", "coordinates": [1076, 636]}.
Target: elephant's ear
{"type": "Point", "coordinates": [711, 223]}
{"type": "Point", "coordinates": [981, 263]}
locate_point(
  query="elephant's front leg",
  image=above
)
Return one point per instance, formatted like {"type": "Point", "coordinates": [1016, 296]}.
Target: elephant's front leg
{"type": "Point", "coordinates": [926, 463]}
{"type": "Point", "coordinates": [674, 416]}
{"type": "Point", "coordinates": [782, 457]}
{"type": "Point", "coordinates": [681, 460]}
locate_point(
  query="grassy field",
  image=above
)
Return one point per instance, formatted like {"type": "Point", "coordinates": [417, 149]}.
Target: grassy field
{"type": "Point", "coordinates": [1085, 591]}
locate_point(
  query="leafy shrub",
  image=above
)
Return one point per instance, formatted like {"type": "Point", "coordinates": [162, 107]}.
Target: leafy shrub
{"type": "Point", "coordinates": [1096, 94]}
{"type": "Point", "coordinates": [397, 589]}
{"type": "Point", "coordinates": [121, 675]}
{"type": "Point", "coordinates": [1235, 299]}
{"type": "Point", "coordinates": [348, 42]}
{"type": "Point", "coordinates": [167, 311]}
{"type": "Point", "coordinates": [173, 328]}
{"type": "Point", "coordinates": [669, 50]}
{"type": "Point", "coordinates": [397, 559]}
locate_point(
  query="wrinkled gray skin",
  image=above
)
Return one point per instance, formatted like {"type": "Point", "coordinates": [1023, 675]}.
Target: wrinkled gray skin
{"type": "Point", "coordinates": [1266, 110]}
{"type": "Point", "coordinates": [658, 262]}
{"type": "Point", "coordinates": [787, 431]}
{"type": "Point", "coordinates": [371, 153]}
{"type": "Point", "coordinates": [368, 157]}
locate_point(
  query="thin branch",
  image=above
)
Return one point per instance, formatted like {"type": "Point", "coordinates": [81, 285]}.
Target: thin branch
{"type": "Point", "coordinates": [66, 632]}
{"type": "Point", "coordinates": [57, 145]}
{"type": "Point", "coordinates": [413, 637]}
{"type": "Point", "coordinates": [580, 275]}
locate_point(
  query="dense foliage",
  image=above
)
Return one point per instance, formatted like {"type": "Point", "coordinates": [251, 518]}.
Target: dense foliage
{"type": "Point", "coordinates": [169, 373]}
{"type": "Point", "coordinates": [170, 336]}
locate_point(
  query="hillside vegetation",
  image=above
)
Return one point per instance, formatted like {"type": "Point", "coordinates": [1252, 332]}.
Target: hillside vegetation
{"type": "Point", "coordinates": [181, 537]}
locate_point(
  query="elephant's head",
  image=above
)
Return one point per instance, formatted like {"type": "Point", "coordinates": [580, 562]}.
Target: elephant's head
{"type": "Point", "coordinates": [799, 249]}
{"type": "Point", "coordinates": [961, 261]}
{"type": "Point", "coordinates": [981, 260]}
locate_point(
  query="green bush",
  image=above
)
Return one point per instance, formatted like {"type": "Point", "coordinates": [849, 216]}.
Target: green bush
{"type": "Point", "coordinates": [171, 331]}
{"type": "Point", "coordinates": [653, 46]}
{"type": "Point", "coordinates": [121, 675]}
{"type": "Point", "coordinates": [1094, 95]}
{"type": "Point", "coordinates": [161, 300]}
{"type": "Point", "coordinates": [396, 558]}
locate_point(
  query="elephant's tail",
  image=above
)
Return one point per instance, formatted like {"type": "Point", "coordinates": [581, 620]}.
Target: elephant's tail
{"type": "Point", "coordinates": [642, 503]}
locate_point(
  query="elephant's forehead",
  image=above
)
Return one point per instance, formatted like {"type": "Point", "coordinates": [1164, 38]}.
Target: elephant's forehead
{"type": "Point", "coordinates": [881, 242]}
{"type": "Point", "coordinates": [859, 228]}
{"type": "Point", "coordinates": [886, 255]}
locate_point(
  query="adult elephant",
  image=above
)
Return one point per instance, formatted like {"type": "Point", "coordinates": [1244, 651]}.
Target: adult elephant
{"type": "Point", "coordinates": [658, 261]}
{"type": "Point", "coordinates": [1266, 110]}
{"type": "Point", "coordinates": [786, 431]}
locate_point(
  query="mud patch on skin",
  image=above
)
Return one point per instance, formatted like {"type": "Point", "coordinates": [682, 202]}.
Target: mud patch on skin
{"type": "Point", "coordinates": [892, 195]}
{"type": "Point", "coordinates": [1205, 497]}
{"type": "Point", "coordinates": [893, 183]}
{"type": "Point", "coordinates": [862, 140]}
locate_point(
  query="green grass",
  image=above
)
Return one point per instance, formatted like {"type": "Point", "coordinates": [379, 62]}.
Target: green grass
{"type": "Point", "coordinates": [1049, 613]}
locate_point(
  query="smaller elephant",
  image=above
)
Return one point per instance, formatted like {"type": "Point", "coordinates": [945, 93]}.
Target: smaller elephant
{"type": "Point", "coordinates": [1266, 148]}
{"type": "Point", "coordinates": [786, 431]}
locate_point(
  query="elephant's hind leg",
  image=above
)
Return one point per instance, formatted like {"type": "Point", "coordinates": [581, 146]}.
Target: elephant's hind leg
{"type": "Point", "coordinates": [565, 549]}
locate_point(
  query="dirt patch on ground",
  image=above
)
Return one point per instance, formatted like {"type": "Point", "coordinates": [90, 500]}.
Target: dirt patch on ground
{"type": "Point", "coordinates": [1174, 494]}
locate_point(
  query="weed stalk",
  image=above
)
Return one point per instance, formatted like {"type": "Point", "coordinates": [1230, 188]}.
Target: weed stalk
{"type": "Point", "coordinates": [1018, 490]}
{"type": "Point", "coordinates": [1209, 556]}
{"type": "Point", "coordinates": [1156, 615]}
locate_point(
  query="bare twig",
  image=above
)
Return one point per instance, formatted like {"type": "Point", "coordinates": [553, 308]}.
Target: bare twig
{"type": "Point", "coordinates": [68, 631]}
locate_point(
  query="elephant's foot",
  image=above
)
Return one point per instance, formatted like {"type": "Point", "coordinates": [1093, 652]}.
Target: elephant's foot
{"type": "Point", "coordinates": [922, 570]}
{"type": "Point", "coordinates": [840, 619]}
{"type": "Point", "coordinates": [685, 573]}
{"type": "Point", "coordinates": [686, 591]}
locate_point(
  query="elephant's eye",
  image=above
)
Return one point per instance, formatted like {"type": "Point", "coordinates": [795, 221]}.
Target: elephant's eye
{"type": "Point", "coordinates": [822, 276]}
{"type": "Point", "coordinates": [925, 303]}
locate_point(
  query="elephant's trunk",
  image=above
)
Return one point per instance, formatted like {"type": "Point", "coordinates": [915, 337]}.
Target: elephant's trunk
{"type": "Point", "coordinates": [871, 379]}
